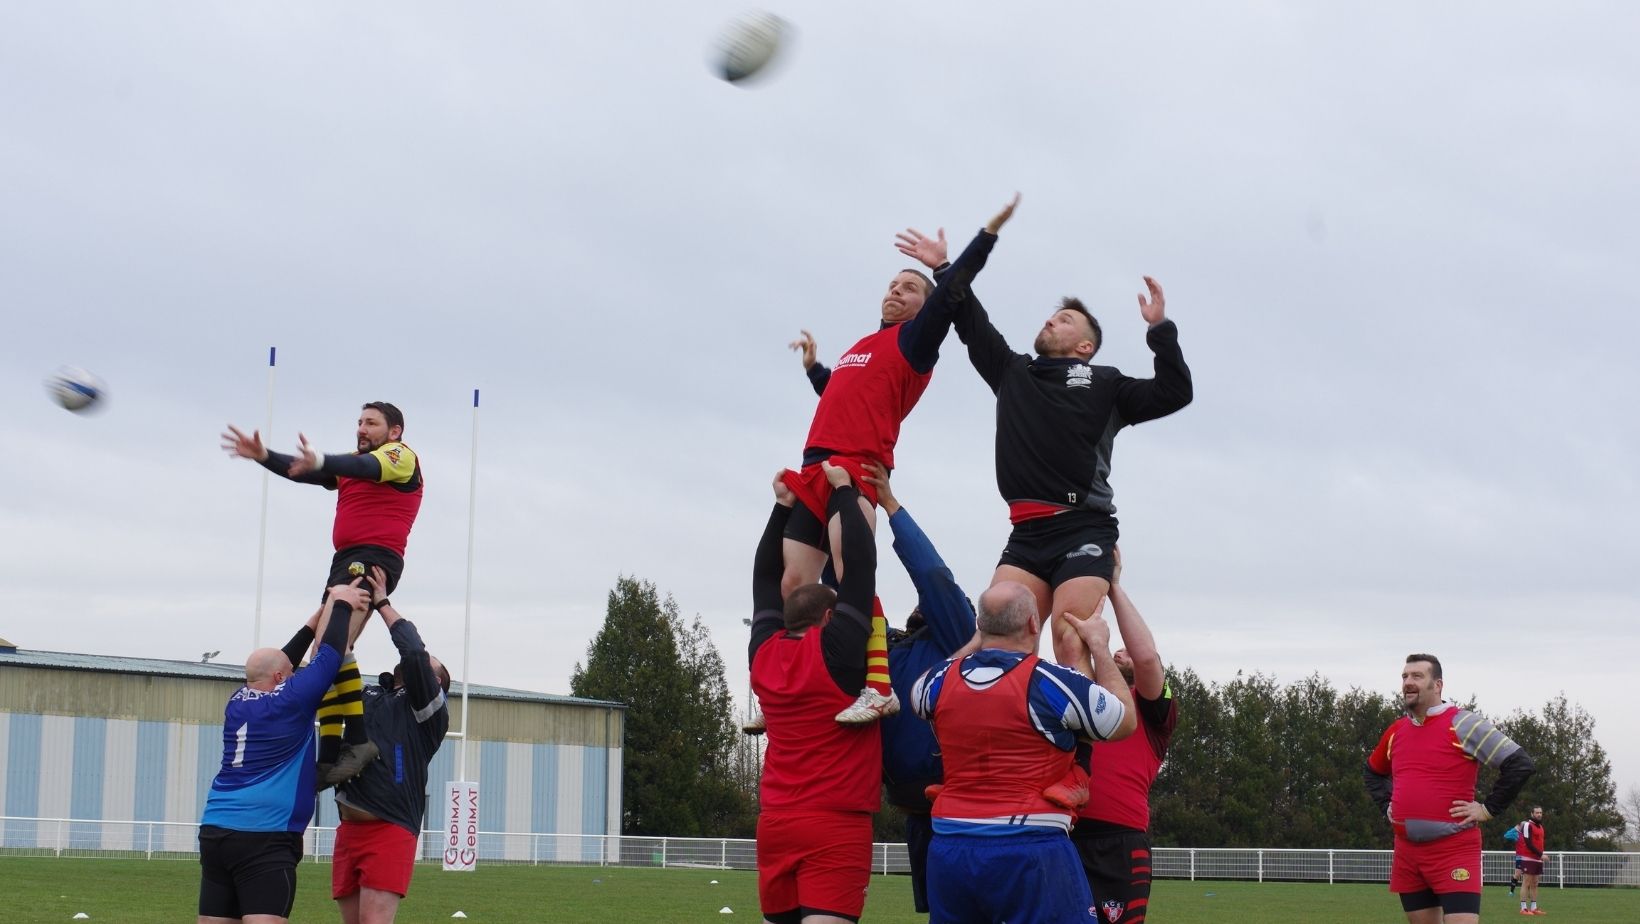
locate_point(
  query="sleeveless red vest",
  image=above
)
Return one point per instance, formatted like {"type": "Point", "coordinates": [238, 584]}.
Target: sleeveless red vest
{"type": "Point", "coordinates": [996, 762]}
{"type": "Point", "coordinates": [871, 391]}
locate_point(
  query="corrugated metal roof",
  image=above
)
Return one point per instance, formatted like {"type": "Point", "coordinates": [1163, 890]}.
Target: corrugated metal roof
{"type": "Point", "coordinates": [73, 661]}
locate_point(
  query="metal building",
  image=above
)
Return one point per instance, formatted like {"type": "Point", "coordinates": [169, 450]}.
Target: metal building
{"type": "Point", "coordinates": [97, 738]}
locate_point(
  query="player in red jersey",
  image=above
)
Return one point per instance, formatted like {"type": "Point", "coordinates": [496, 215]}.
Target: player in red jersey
{"type": "Point", "coordinates": [1529, 859]}
{"type": "Point", "coordinates": [1422, 775]}
{"type": "Point", "coordinates": [863, 402]}
{"type": "Point", "coordinates": [1112, 834]}
{"type": "Point", "coordinates": [378, 494]}
{"type": "Point", "coordinates": [820, 778]}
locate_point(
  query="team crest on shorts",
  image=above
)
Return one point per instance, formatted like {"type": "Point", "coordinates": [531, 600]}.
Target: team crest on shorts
{"type": "Point", "coordinates": [1460, 874]}
{"type": "Point", "coordinates": [1112, 910]}
{"type": "Point", "coordinates": [356, 568]}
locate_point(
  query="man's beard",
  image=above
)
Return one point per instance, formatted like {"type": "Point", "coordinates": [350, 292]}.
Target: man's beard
{"type": "Point", "coordinates": [1127, 673]}
{"type": "Point", "coordinates": [1041, 345]}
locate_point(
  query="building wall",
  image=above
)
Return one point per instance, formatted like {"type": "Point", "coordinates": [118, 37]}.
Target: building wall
{"type": "Point", "coordinates": [98, 745]}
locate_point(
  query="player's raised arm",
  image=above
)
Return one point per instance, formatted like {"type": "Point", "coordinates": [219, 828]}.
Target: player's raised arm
{"type": "Point", "coordinates": [817, 372]}
{"type": "Point", "coordinates": [920, 337]}
{"type": "Point", "coordinates": [1095, 635]}
{"type": "Point", "coordinates": [1139, 400]}
{"type": "Point", "coordinates": [940, 600]}
{"type": "Point", "coordinates": [767, 566]}
{"type": "Point", "coordinates": [236, 443]}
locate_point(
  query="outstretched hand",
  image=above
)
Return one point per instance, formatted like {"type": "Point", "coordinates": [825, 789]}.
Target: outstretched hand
{"type": "Point", "coordinates": [805, 345]}
{"type": "Point", "coordinates": [995, 224]}
{"type": "Point", "coordinates": [836, 475]}
{"type": "Point", "coordinates": [877, 476]}
{"type": "Point", "coordinates": [929, 251]}
{"type": "Point", "coordinates": [782, 492]}
{"type": "Point", "coordinates": [307, 458]}
{"type": "Point", "coordinates": [1093, 631]}
{"type": "Point", "coordinates": [1154, 311]}
{"type": "Point", "coordinates": [236, 443]}
{"type": "Point", "coordinates": [352, 594]}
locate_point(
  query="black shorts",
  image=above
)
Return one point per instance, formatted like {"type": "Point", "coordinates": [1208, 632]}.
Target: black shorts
{"type": "Point", "coordinates": [1450, 902]}
{"type": "Point", "coordinates": [355, 561]}
{"type": "Point", "coordinates": [247, 872]}
{"type": "Point", "coordinates": [1059, 548]}
{"type": "Point", "coordinates": [1118, 869]}
{"type": "Point", "coordinates": [803, 526]}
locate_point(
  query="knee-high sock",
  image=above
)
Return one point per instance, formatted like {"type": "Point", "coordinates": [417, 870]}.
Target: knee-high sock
{"type": "Point", "coordinates": [877, 650]}
{"type": "Point", "coordinates": [343, 703]}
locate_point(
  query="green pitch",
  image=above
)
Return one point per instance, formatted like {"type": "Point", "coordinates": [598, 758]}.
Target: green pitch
{"type": "Point", "coordinates": [140, 892]}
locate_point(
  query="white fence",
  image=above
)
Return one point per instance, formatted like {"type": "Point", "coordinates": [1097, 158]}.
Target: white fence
{"type": "Point", "coordinates": [159, 840]}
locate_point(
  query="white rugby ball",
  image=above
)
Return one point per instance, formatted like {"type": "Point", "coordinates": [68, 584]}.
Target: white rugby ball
{"type": "Point", "coordinates": [75, 389]}
{"type": "Point", "coordinates": [748, 44]}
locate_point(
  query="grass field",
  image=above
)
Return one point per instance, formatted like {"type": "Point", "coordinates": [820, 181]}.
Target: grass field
{"type": "Point", "coordinates": [140, 892]}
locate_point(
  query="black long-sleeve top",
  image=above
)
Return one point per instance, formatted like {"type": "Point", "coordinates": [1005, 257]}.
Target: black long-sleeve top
{"type": "Point", "coordinates": [1057, 418]}
{"type": "Point", "coordinates": [407, 724]}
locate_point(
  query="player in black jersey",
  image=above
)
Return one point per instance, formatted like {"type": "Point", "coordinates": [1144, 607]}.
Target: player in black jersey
{"type": "Point", "coordinates": [1057, 420]}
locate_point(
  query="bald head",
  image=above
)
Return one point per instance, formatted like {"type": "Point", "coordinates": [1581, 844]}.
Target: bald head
{"type": "Point", "coordinates": [265, 667]}
{"type": "Point", "coordinates": [1005, 611]}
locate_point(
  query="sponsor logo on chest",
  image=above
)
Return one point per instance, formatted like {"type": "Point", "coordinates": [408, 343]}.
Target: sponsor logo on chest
{"type": "Point", "coordinates": [850, 360]}
{"type": "Point", "coordinates": [1079, 376]}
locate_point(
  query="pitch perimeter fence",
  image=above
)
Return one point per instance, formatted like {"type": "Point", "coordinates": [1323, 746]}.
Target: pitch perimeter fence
{"type": "Point", "coordinates": [167, 840]}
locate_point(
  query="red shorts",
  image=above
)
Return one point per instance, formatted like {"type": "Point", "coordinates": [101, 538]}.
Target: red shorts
{"type": "Point", "coordinates": [376, 855]}
{"type": "Point", "coordinates": [1450, 864]}
{"type": "Point", "coordinates": [819, 862]}
{"type": "Point", "coordinates": [814, 491]}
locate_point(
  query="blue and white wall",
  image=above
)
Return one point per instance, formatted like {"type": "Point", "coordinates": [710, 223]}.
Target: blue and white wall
{"type": "Point", "coordinates": [103, 769]}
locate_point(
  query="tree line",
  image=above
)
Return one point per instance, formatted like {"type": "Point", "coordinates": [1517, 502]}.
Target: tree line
{"type": "Point", "coordinates": [1253, 763]}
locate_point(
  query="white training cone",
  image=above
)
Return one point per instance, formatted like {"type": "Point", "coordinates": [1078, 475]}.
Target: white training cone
{"type": "Point", "coordinates": [81, 916]}
{"type": "Point", "coordinates": [714, 882]}
{"type": "Point", "coordinates": [459, 914]}
{"type": "Point", "coordinates": [725, 910]}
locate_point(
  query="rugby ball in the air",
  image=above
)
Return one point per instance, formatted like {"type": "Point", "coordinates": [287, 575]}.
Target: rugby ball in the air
{"type": "Point", "coordinates": [75, 389]}
{"type": "Point", "coordinates": [748, 44]}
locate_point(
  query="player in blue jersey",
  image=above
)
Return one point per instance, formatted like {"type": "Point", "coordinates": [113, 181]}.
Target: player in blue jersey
{"type": "Point", "coordinates": [941, 624]}
{"type": "Point", "coordinates": [250, 838]}
{"type": "Point", "coordinates": [1007, 726]}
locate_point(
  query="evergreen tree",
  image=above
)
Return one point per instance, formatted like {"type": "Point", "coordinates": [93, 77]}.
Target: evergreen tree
{"type": "Point", "coordinates": [1573, 781]}
{"type": "Point", "coordinates": [676, 775]}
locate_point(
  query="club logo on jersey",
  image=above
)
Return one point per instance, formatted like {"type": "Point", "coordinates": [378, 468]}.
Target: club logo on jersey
{"type": "Point", "coordinates": [853, 359]}
{"type": "Point", "coordinates": [1079, 376]}
{"type": "Point", "coordinates": [1099, 705]}
{"type": "Point", "coordinates": [1112, 910]}
{"type": "Point", "coordinates": [393, 454]}
{"type": "Point", "coordinates": [1091, 550]}
{"type": "Point", "coordinates": [1460, 874]}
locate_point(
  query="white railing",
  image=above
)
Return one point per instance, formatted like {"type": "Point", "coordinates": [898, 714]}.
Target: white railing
{"type": "Point", "coordinates": [160, 840]}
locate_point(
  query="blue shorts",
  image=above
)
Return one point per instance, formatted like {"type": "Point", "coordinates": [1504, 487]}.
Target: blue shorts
{"type": "Point", "coordinates": [1033, 878]}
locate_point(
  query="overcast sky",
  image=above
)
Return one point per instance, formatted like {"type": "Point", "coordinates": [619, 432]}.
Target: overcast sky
{"type": "Point", "coordinates": [1399, 240]}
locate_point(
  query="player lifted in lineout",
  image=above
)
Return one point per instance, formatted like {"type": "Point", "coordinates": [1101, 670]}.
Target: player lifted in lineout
{"type": "Point", "coordinates": [1057, 419]}
{"type": "Point", "coordinates": [863, 400]}
{"type": "Point", "coordinates": [378, 493]}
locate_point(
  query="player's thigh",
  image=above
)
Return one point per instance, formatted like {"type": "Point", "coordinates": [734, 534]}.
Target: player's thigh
{"type": "Point", "coordinates": [377, 906]}
{"type": "Point", "coordinates": [803, 564]}
{"type": "Point", "coordinates": [348, 905]}
{"type": "Point", "coordinates": [1080, 595]}
{"type": "Point", "coordinates": [1037, 586]}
